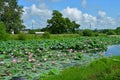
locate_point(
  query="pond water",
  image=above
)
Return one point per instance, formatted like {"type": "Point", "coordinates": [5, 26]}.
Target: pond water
{"type": "Point", "coordinates": [113, 50]}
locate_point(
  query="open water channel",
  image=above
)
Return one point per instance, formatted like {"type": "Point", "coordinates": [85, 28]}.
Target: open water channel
{"type": "Point", "coordinates": [113, 50]}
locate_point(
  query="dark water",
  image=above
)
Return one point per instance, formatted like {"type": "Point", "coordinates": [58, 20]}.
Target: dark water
{"type": "Point", "coordinates": [113, 50]}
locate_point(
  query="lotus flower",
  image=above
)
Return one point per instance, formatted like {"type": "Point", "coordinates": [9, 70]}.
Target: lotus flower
{"type": "Point", "coordinates": [18, 61]}
{"type": "Point", "coordinates": [38, 64]}
{"type": "Point", "coordinates": [30, 56]}
{"type": "Point", "coordinates": [2, 62]}
{"type": "Point", "coordinates": [45, 59]}
{"type": "Point", "coordinates": [14, 60]}
{"type": "Point", "coordinates": [53, 62]}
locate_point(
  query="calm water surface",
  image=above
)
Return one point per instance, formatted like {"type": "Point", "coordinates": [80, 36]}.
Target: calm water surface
{"type": "Point", "coordinates": [113, 50]}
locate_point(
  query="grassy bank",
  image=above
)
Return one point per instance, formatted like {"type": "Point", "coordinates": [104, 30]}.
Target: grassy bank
{"type": "Point", "coordinates": [40, 36]}
{"type": "Point", "coordinates": [103, 69]}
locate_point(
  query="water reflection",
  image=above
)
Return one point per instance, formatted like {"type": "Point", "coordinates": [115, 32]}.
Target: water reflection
{"type": "Point", "coordinates": [113, 50]}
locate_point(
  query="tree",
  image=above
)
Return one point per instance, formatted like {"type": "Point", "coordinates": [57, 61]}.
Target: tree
{"type": "Point", "coordinates": [11, 15]}
{"type": "Point", "coordinates": [111, 32]}
{"type": "Point", "coordinates": [118, 30]}
{"type": "Point", "coordinates": [58, 24]}
{"type": "Point", "coordinates": [87, 32]}
{"type": "Point", "coordinates": [105, 30]}
{"type": "Point", "coordinates": [3, 34]}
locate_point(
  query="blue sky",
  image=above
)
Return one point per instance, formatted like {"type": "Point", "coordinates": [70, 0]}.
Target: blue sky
{"type": "Point", "coordinates": [97, 13]}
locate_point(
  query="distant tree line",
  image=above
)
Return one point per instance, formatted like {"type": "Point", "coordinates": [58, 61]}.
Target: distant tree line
{"type": "Point", "coordinates": [97, 32]}
{"type": "Point", "coordinates": [111, 31]}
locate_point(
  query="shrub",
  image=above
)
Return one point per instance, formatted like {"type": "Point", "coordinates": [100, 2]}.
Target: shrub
{"type": "Point", "coordinates": [118, 30]}
{"type": "Point", "coordinates": [87, 32]}
{"type": "Point", "coordinates": [31, 32]}
{"type": "Point", "coordinates": [96, 34]}
{"type": "Point", "coordinates": [80, 33]}
{"type": "Point", "coordinates": [46, 35]}
{"type": "Point", "coordinates": [22, 36]}
{"type": "Point", "coordinates": [110, 32]}
{"type": "Point", "coordinates": [3, 33]}
{"type": "Point", "coordinates": [105, 30]}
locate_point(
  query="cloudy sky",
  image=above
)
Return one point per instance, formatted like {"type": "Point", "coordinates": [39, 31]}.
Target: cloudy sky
{"type": "Point", "coordinates": [100, 14]}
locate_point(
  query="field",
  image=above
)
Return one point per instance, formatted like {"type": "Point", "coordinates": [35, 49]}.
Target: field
{"type": "Point", "coordinates": [38, 36]}
{"type": "Point", "coordinates": [38, 58]}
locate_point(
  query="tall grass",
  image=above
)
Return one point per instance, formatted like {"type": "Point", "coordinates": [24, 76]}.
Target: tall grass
{"type": "Point", "coordinates": [103, 69]}
{"type": "Point", "coordinates": [40, 36]}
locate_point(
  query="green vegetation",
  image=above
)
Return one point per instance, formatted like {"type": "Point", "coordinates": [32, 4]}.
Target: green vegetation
{"type": "Point", "coordinates": [32, 59]}
{"type": "Point", "coordinates": [83, 43]}
{"type": "Point", "coordinates": [58, 24]}
{"type": "Point", "coordinates": [33, 31]}
{"type": "Point", "coordinates": [111, 32]}
{"type": "Point", "coordinates": [22, 36]}
{"type": "Point", "coordinates": [102, 69]}
{"type": "Point", "coordinates": [118, 30]}
{"type": "Point", "coordinates": [87, 32]}
{"type": "Point", "coordinates": [10, 15]}
{"type": "Point", "coordinates": [63, 45]}
{"type": "Point", "coordinates": [39, 37]}
{"type": "Point", "coordinates": [96, 34]}
{"type": "Point", "coordinates": [3, 33]}
{"type": "Point", "coordinates": [46, 35]}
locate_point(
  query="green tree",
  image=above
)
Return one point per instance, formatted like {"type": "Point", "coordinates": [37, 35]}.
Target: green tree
{"type": "Point", "coordinates": [118, 30]}
{"type": "Point", "coordinates": [105, 31]}
{"type": "Point", "coordinates": [3, 34]}
{"type": "Point", "coordinates": [58, 24]}
{"type": "Point", "coordinates": [1, 5]}
{"type": "Point", "coordinates": [87, 32]}
{"type": "Point", "coordinates": [11, 15]}
{"type": "Point", "coordinates": [111, 32]}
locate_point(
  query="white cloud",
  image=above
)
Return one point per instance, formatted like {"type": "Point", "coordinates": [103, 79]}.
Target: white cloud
{"type": "Point", "coordinates": [81, 18]}
{"type": "Point", "coordinates": [39, 14]}
{"type": "Point", "coordinates": [38, 11]}
{"type": "Point", "coordinates": [101, 13]}
{"type": "Point", "coordinates": [85, 19]}
{"type": "Point", "coordinates": [84, 2]}
{"type": "Point", "coordinates": [89, 20]}
{"type": "Point", "coordinates": [33, 21]}
{"type": "Point", "coordinates": [106, 22]}
{"type": "Point", "coordinates": [72, 13]}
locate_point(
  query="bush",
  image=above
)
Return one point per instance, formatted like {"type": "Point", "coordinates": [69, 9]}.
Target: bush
{"type": "Point", "coordinates": [22, 36]}
{"type": "Point", "coordinates": [3, 33]}
{"type": "Point", "coordinates": [118, 30]}
{"type": "Point", "coordinates": [87, 32]}
{"type": "Point", "coordinates": [110, 32]}
{"type": "Point", "coordinates": [80, 33]}
{"type": "Point", "coordinates": [46, 35]}
{"type": "Point", "coordinates": [31, 32]}
{"type": "Point", "coordinates": [96, 34]}
{"type": "Point", "coordinates": [105, 30]}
